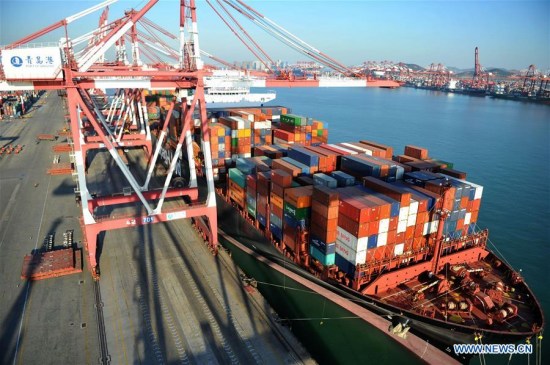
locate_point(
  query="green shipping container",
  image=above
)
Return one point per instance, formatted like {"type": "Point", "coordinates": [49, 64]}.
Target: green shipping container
{"type": "Point", "coordinates": [292, 119]}
{"type": "Point", "coordinates": [234, 142]}
{"type": "Point", "coordinates": [238, 177]}
{"type": "Point", "coordinates": [297, 213]}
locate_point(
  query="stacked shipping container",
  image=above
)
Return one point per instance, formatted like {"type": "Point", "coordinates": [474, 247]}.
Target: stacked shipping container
{"type": "Point", "coordinates": [374, 209]}
{"type": "Point", "coordinates": [298, 129]}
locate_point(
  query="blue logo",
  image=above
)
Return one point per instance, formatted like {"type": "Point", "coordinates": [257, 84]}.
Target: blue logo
{"type": "Point", "coordinates": [16, 61]}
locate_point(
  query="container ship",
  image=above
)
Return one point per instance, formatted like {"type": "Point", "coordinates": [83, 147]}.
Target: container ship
{"type": "Point", "coordinates": [395, 232]}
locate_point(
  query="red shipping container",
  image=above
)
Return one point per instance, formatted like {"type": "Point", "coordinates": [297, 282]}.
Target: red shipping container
{"type": "Point", "coordinates": [400, 237]}
{"type": "Point", "coordinates": [422, 217]}
{"type": "Point", "coordinates": [418, 229]}
{"type": "Point", "coordinates": [263, 189]}
{"type": "Point", "coordinates": [251, 182]}
{"type": "Point", "coordinates": [409, 233]}
{"type": "Point", "coordinates": [475, 204]}
{"type": "Point", "coordinates": [277, 211]}
{"type": "Point", "coordinates": [324, 195]}
{"type": "Point", "coordinates": [284, 135]}
{"type": "Point", "coordinates": [416, 152]}
{"type": "Point", "coordinates": [356, 229]}
{"type": "Point", "coordinates": [388, 151]}
{"type": "Point", "coordinates": [289, 237]}
{"type": "Point", "coordinates": [277, 189]}
{"type": "Point", "coordinates": [392, 236]}
{"type": "Point", "coordinates": [330, 156]}
{"type": "Point", "coordinates": [459, 224]}
{"type": "Point", "coordinates": [324, 234]}
{"type": "Point", "coordinates": [261, 205]}
{"type": "Point", "coordinates": [373, 227]}
{"type": "Point", "coordinates": [394, 222]}
{"type": "Point", "coordinates": [288, 167]}
{"type": "Point", "coordinates": [384, 207]}
{"type": "Point", "coordinates": [473, 218]}
{"type": "Point", "coordinates": [355, 209]}
{"type": "Point", "coordinates": [324, 211]}
{"type": "Point", "coordinates": [405, 159]}
{"type": "Point", "coordinates": [392, 191]}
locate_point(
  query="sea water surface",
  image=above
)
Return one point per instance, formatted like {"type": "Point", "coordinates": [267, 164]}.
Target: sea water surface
{"type": "Point", "coordinates": [502, 145]}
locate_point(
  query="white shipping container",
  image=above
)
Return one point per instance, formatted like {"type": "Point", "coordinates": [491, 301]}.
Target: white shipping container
{"type": "Point", "coordinates": [365, 150]}
{"type": "Point", "coordinates": [384, 225]}
{"type": "Point", "coordinates": [382, 239]}
{"type": "Point", "coordinates": [467, 218]}
{"type": "Point", "coordinates": [248, 115]}
{"type": "Point", "coordinates": [478, 188]}
{"type": "Point", "coordinates": [344, 149]}
{"type": "Point", "coordinates": [356, 243]}
{"type": "Point", "coordinates": [398, 249]}
{"type": "Point", "coordinates": [355, 257]}
{"type": "Point", "coordinates": [403, 213]}
{"type": "Point", "coordinates": [32, 63]}
{"type": "Point", "coordinates": [411, 220]}
{"type": "Point", "coordinates": [262, 125]}
{"type": "Point", "coordinates": [402, 226]}
{"type": "Point", "coordinates": [430, 227]}
{"type": "Point", "coordinates": [413, 207]}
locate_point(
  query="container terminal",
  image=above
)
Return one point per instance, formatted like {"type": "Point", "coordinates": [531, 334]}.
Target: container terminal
{"type": "Point", "coordinates": [112, 153]}
{"type": "Point", "coordinates": [163, 297]}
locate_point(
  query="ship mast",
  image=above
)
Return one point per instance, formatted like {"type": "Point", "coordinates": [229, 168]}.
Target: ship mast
{"type": "Point", "coordinates": [443, 214]}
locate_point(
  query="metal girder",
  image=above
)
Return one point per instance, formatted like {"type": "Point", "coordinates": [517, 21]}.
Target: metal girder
{"type": "Point", "coordinates": [160, 141]}
{"type": "Point", "coordinates": [129, 106]}
{"type": "Point", "coordinates": [187, 113]}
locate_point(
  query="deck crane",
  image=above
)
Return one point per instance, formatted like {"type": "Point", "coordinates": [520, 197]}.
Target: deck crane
{"type": "Point", "coordinates": [79, 72]}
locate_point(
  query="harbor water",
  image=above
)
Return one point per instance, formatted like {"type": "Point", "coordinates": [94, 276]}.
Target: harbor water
{"type": "Point", "coordinates": [502, 145]}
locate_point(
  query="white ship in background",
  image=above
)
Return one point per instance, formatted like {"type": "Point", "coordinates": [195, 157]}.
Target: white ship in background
{"type": "Point", "coordinates": [225, 88]}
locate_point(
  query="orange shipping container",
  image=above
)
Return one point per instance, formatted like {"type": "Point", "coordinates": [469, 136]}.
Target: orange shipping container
{"type": "Point", "coordinates": [276, 200]}
{"type": "Point", "coordinates": [299, 197]}
{"type": "Point", "coordinates": [324, 211]}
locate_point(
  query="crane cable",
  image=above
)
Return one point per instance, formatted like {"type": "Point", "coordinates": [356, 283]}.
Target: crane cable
{"type": "Point", "coordinates": [273, 29]}
{"type": "Point", "coordinates": [237, 34]}
{"type": "Point", "coordinates": [291, 36]}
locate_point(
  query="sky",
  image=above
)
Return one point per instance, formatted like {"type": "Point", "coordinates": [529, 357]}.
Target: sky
{"type": "Point", "coordinates": [509, 34]}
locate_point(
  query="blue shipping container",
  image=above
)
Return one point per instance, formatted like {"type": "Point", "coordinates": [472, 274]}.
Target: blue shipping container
{"type": "Point", "coordinates": [276, 231]}
{"type": "Point", "coordinates": [372, 241]}
{"type": "Point", "coordinates": [344, 265]}
{"type": "Point", "coordinates": [326, 248]}
{"type": "Point", "coordinates": [305, 169]}
{"type": "Point", "coordinates": [343, 179]}
{"type": "Point", "coordinates": [261, 219]}
{"type": "Point", "coordinates": [326, 260]}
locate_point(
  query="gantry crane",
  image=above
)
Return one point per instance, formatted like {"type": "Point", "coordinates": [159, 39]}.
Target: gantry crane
{"type": "Point", "coordinates": [79, 72]}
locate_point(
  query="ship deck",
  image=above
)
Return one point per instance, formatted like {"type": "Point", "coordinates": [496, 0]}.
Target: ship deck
{"type": "Point", "coordinates": [420, 295]}
{"type": "Point", "coordinates": [164, 297]}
